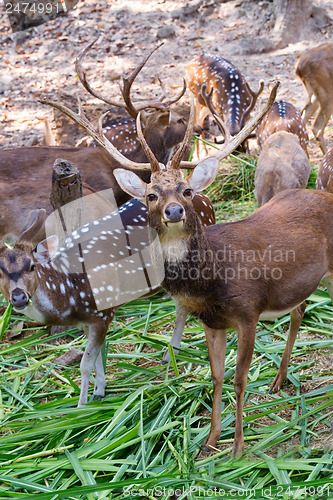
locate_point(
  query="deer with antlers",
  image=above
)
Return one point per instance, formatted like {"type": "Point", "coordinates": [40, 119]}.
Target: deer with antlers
{"type": "Point", "coordinates": [227, 274]}
{"type": "Point", "coordinates": [315, 68]}
{"type": "Point", "coordinates": [31, 167]}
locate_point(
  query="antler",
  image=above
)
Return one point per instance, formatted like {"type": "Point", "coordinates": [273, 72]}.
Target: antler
{"type": "Point", "coordinates": [255, 96]}
{"type": "Point", "coordinates": [125, 88]}
{"type": "Point", "coordinates": [221, 124]}
{"type": "Point", "coordinates": [155, 165]}
{"type": "Point", "coordinates": [98, 135]}
{"type": "Point", "coordinates": [242, 135]}
{"type": "Point", "coordinates": [175, 161]}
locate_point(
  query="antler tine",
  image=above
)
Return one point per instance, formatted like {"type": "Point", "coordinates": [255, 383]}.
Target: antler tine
{"type": "Point", "coordinates": [97, 135]}
{"type": "Point", "coordinates": [176, 160]}
{"type": "Point", "coordinates": [155, 166]}
{"type": "Point", "coordinates": [177, 97]}
{"type": "Point", "coordinates": [128, 82]}
{"type": "Point", "coordinates": [243, 134]}
{"type": "Point", "coordinates": [255, 96]}
{"type": "Point", "coordinates": [221, 124]}
{"type": "Point", "coordinates": [83, 78]}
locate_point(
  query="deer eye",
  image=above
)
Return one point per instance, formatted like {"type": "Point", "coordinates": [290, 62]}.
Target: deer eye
{"type": "Point", "coordinates": [187, 192]}
{"type": "Point", "coordinates": [151, 197]}
{"type": "Point", "coordinates": [32, 267]}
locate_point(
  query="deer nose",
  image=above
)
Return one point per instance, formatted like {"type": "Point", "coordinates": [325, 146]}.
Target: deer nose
{"type": "Point", "coordinates": [19, 298]}
{"type": "Point", "coordinates": [173, 212]}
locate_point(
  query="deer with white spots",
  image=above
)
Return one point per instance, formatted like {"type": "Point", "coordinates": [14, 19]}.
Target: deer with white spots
{"type": "Point", "coordinates": [324, 179]}
{"type": "Point", "coordinates": [282, 116]}
{"type": "Point", "coordinates": [315, 68]}
{"type": "Point", "coordinates": [232, 97]}
{"type": "Point", "coordinates": [35, 288]}
{"type": "Point", "coordinates": [123, 134]}
{"type": "Point", "coordinates": [226, 274]}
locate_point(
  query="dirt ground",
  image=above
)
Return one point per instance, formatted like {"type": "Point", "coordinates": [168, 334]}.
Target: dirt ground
{"type": "Point", "coordinates": [41, 60]}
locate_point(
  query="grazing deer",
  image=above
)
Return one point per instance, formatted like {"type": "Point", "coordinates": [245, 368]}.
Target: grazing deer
{"type": "Point", "coordinates": [282, 116]}
{"type": "Point", "coordinates": [324, 179]}
{"type": "Point", "coordinates": [282, 164]}
{"type": "Point", "coordinates": [123, 134]}
{"type": "Point", "coordinates": [232, 97]}
{"type": "Point", "coordinates": [26, 171]}
{"type": "Point", "coordinates": [315, 68]}
{"type": "Point", "coordinates": [231, 275]}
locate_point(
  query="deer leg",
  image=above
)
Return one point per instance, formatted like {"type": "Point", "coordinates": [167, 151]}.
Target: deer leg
{"type": "Point", "coordinates": [309, 109]}
{"type": "Point", "coordinates": [99, 388]}
{"type": "Point", "coordinates": [95, 342]}
{"type": "Point", "coordinates": [217, 343]}
{"type": "Point", "coordinates": [181, 316]}
{"type": "Point", "coordinates": [296, 317]}
{"type": "Point", "coordinates": [246, 334]}
{"type": "Point", "coordinates": [318, 128]}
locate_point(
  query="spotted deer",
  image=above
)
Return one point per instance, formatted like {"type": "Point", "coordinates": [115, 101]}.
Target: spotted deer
{"type": "Point", "coordinates": [315, 68]}
{"type": "Point", "coordinates": [282, 116]}
{"type": "Point", "coordinates": [122, 133]}
{"type": "Point", "coordinates": [324, 179]}
{"type": "Point", "coordinates": [226, 274]}
{"type": "Point", "coordinates": [83, 282]}
{"type": "Point", "coordinates": [232, 97]}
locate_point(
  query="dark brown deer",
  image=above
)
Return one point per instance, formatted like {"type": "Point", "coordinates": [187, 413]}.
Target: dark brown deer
{"type": "Point", "coordinates": [232, 97]}
{"type": "Point", "coordinates": [282, 116]}
{"type": "Point", "coordinates": [324, 179]}
{"type": "Point", "coordinates": [226, 274]}
{"type": "Point", "coordinates": [315, 68]}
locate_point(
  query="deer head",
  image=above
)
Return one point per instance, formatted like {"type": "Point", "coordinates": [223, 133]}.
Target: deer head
{"type": "Point", "coordinates": [18, 272]}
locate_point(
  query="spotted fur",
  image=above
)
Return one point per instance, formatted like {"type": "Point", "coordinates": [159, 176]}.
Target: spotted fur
{"type": "Point", "coordinates": [282, 116]}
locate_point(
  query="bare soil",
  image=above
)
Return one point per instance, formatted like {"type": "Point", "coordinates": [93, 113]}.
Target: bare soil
{"type": "Point", "coordinates": [40, 60]}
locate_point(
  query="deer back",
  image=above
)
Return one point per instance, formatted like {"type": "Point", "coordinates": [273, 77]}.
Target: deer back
{"type": "Point", "coordinates": [282, 116]}
{"type": "Point", "coordinates": [282, 164]}
{"type": "Point", "coordinates": [231, 95]}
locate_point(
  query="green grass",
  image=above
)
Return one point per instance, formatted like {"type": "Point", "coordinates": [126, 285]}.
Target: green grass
{"type": "Point", "coordinates": [146, 433]}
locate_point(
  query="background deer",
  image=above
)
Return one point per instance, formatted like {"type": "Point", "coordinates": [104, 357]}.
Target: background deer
{"type": "Point", "coordinates": [26, 172]}
{"type": "Point", "coordinates": [282, 116]}
{"type": "Point", "coordinates": [315, 68]}
{"type": "Point", "coordinates": [324, 179]}
{"type": "Point", "coordinates": [232, 97]}
{"type": "Point", "coordinates": [226, 274]}
{"type": "Point", "coordinates": [282, 164]}
{"type": "Point", "coordinates": [122, 133]}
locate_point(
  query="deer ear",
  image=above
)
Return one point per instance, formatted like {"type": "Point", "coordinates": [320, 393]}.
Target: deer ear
{"type": "Point", "coordinates": [131, 183]}
{"type": "Point", "coordinates": [45, 250]}
{"type": "Point", "coordinates": [203, 174]}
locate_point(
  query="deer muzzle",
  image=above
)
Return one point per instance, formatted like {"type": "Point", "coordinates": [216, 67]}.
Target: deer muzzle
{"type": "Point", "coordinates": [19, 298]}
{"type": "Point", "coordinates": [173, 213]}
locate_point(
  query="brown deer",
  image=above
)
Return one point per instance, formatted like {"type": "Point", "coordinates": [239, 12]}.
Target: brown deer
{"type": "Point", "coordinates": [26, 172]}
{"type": "Point", "coordinates": [315, 68]}
{"type": "Point", "coordinates": [282, 116]}
{"type": "Point", "coordinates": [232, 97]}
{"type": "Point", "coordinates": [324, 179]}
{"type": "Point", "coordinates": [282, 164]}
{"type": "Point", "coordinates": [227, 275]}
